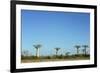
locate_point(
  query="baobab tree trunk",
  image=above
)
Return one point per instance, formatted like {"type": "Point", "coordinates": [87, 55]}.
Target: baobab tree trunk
{"type": "Point", "coordinates": [37, 53]}
{"type": "Point", "coordinates": [85, 51]}
{"type": "Point", "coordinates": [56, 53]}
{"type": "Point", "coordinates": [77, 51]}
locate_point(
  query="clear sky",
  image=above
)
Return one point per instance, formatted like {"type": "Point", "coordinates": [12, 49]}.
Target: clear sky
{"type": "Point", "coordinates": [54, 29]}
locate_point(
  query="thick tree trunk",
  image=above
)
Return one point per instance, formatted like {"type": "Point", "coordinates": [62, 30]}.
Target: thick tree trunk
{"type": "Point", "coordinates": [37, 53]}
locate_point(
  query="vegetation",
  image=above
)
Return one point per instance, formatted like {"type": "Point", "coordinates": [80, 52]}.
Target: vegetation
{"type": "Point", "coordinates": [26, 57]}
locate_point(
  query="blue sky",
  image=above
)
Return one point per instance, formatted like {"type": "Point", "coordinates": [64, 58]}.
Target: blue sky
{"type": "Point", "coordinates": [54, 29]}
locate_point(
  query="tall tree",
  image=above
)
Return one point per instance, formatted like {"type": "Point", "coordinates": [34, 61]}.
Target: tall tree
{"type": "Point", "coordinates": [37, 47]}
{"type": "Point", "coordinates": [57, 49]}
{"type": "Point", "coordinates": [85, 49]}
{"type": "Point", "coordinates": [77, 48]}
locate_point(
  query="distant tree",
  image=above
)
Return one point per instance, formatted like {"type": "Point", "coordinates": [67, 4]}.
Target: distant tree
{"type": "Point", "coordinates": [77, 48]}
{"type": "Point", "coordinates": [57, 49]}
{"type": "Point", "coordinates": [85, 49]}
{"type": "Point", "coordinates": [37, 47]}
{"type": "Point", "coordinates": [67, 53]}
{"type": "Point", "coordinates": [25, 53]}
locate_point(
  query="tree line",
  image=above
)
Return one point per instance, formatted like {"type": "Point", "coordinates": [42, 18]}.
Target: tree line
{"type": "Point", "coordinates": [57, 49]}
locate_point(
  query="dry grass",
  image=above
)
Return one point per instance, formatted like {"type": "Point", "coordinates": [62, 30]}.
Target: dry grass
{"type": "Point", "coordinates": [48, 60]}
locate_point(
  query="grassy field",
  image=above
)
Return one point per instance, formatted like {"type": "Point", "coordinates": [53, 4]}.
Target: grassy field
{"type": "Point", "coordinates": [30, 59]}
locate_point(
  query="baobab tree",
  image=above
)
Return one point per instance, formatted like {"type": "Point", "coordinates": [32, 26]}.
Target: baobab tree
{"type": "Point", "coordinates": [57, 49]}
{"type": "Point", "coordinates": [37, 47]}
{"type": "Point", "coordinates": [77, 48]}
{"type": "Point", "coordinates": [85, 49]}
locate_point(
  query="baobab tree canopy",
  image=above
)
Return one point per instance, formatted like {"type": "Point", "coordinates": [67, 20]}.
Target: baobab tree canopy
{"type": "Point", "coordinates": [85, 46]}
{"type": "Point", "coordinates": [37, 46]}
{"type": "Point", "coordinates": [77, 46]}
{"type": "Point", "coordinates": [57, 49]}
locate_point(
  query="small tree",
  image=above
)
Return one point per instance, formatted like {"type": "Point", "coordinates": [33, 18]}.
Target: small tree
{"type": "Point", "coordinates": [25, 53]}
{"type": "Point", "coordinates": [67, 53]}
